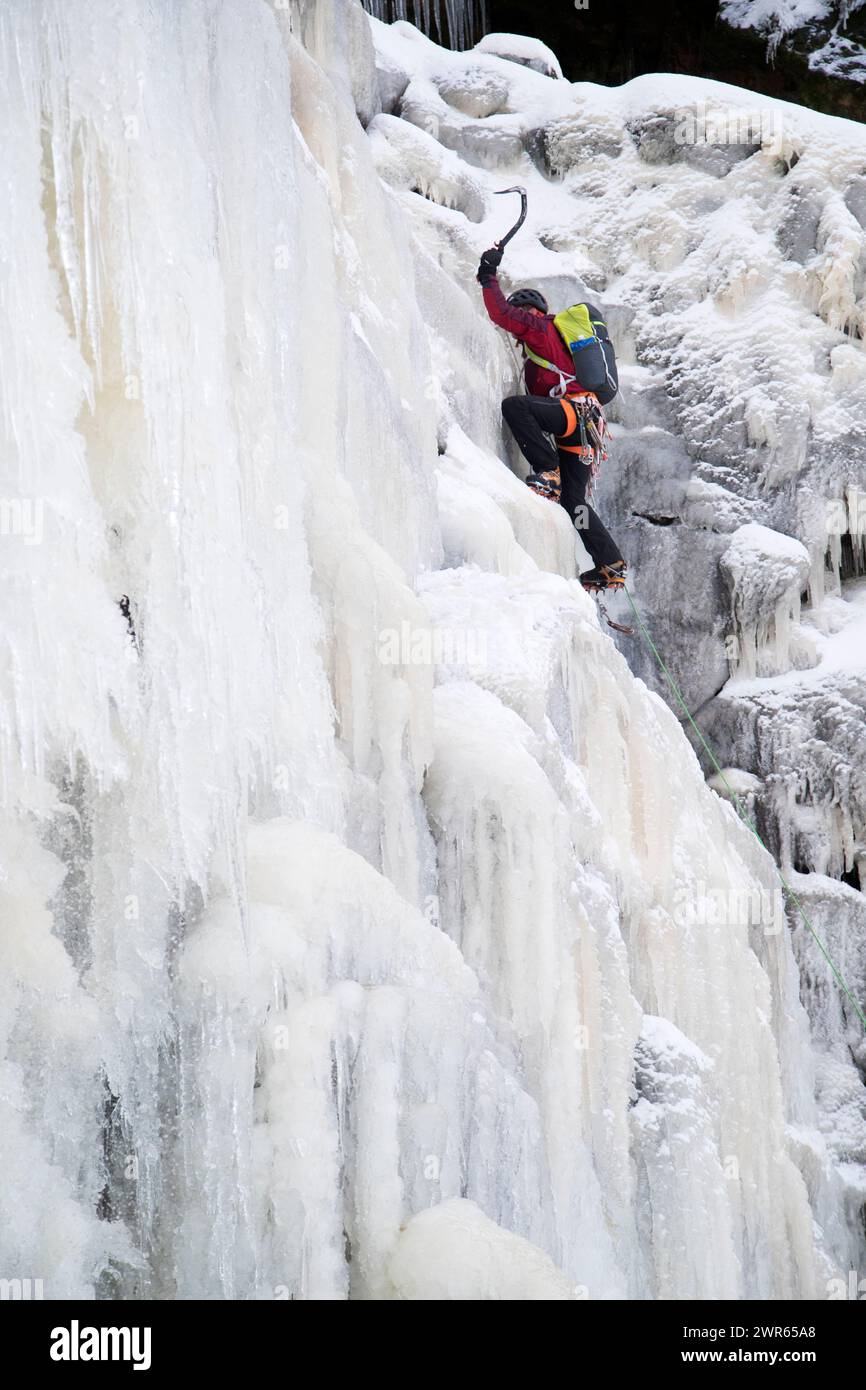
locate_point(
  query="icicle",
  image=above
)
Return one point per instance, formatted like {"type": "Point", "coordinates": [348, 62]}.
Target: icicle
{"type": "Point", "coordinates": [455, 23]}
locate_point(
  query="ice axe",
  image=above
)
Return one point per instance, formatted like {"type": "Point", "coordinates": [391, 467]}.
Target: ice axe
{"type": "Point", "coordinates": [503, 241]}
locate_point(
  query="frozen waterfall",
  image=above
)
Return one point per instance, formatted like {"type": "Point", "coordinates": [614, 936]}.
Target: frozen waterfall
{"type": "Point", "coordinates": [361, 930]}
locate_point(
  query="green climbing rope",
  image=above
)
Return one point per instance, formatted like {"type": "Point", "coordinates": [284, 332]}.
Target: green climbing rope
{"type": "Point", "coordinates": [741, 810]}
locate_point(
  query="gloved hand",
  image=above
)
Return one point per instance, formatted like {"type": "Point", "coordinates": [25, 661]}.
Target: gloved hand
{"type": "Point", "coordinates": [488, 265]}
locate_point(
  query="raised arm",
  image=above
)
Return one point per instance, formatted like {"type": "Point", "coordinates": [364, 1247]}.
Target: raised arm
{"type": "Point", "coordinates": [520, 323]}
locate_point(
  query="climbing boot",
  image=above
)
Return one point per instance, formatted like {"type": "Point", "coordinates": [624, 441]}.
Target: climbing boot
{"type": "Point", "coordinates": [546, 484]}
{"type": "Point", "coordinates": [605, 576]}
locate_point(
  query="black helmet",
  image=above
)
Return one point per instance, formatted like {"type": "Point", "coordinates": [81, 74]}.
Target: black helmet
{"type": "Point", "coordinates": [531, 298]}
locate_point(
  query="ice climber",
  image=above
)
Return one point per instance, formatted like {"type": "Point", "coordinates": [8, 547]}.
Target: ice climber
{"type": "Point", "coordinates": [555, 405]}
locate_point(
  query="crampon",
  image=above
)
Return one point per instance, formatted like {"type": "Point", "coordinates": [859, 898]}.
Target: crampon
{"type": "Point", "coordinates": [600, 581]}
{"type": "Point", "coordinates": [546, 484]}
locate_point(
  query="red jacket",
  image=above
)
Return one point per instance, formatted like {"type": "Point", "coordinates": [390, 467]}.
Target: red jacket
{"type": "Point", "coordinates": [540, 334]}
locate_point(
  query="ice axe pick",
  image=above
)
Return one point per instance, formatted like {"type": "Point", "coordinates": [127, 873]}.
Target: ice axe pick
{"type": "Point", "coordinates": [503, 241]}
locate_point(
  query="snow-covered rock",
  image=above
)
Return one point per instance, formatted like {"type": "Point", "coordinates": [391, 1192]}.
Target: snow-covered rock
{"type": "Point", "coordinates": [818, 26]}
{"type": "Point", "coordinates": [765, 573]}
{"type": "Point", "coordinates": [454, 1252]}
{"type": "Point", "coordinates": [519, 48]}
{"type": "Point", "coordinates": [802, 734]}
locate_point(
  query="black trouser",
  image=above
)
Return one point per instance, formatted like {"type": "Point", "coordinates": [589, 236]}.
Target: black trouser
{"type": "Point", "coordinates": [531, 419]}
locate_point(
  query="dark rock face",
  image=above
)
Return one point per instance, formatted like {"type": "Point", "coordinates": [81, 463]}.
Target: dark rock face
{"type": "Point", "coordinates": [569, 141]}
{"type": "Point", "coordinates": [666, 139]}
{"type": "Point", "coordinates": [613, 43]}
{"type": "Point", "coordinates": [391, 83]}
{"type": "Point", "coordinates": [631, 37]}
{"type": "Point", "coordinates": [855, 199]}
{"type": "Point", "coordinates": [798, 231]}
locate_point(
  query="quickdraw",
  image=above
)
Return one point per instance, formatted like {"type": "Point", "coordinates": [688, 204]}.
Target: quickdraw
{"type": "Point", "coordinates": [619, 627]}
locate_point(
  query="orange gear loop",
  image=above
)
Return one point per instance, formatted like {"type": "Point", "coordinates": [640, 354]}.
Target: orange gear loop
{"type": "Point", "coordinates": [570, 409]}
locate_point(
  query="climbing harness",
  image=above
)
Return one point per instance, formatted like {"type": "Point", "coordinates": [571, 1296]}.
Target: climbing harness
{"type": "Point", "coordinates": [743, 814]}
{"type": "Point", "coordinates": [586, 423]}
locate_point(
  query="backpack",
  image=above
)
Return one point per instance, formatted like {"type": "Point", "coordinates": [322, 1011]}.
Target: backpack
{"type": "Point", "coordinates": [587, 339]}
{"type": "Point", "coordinates": [584, 332]}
